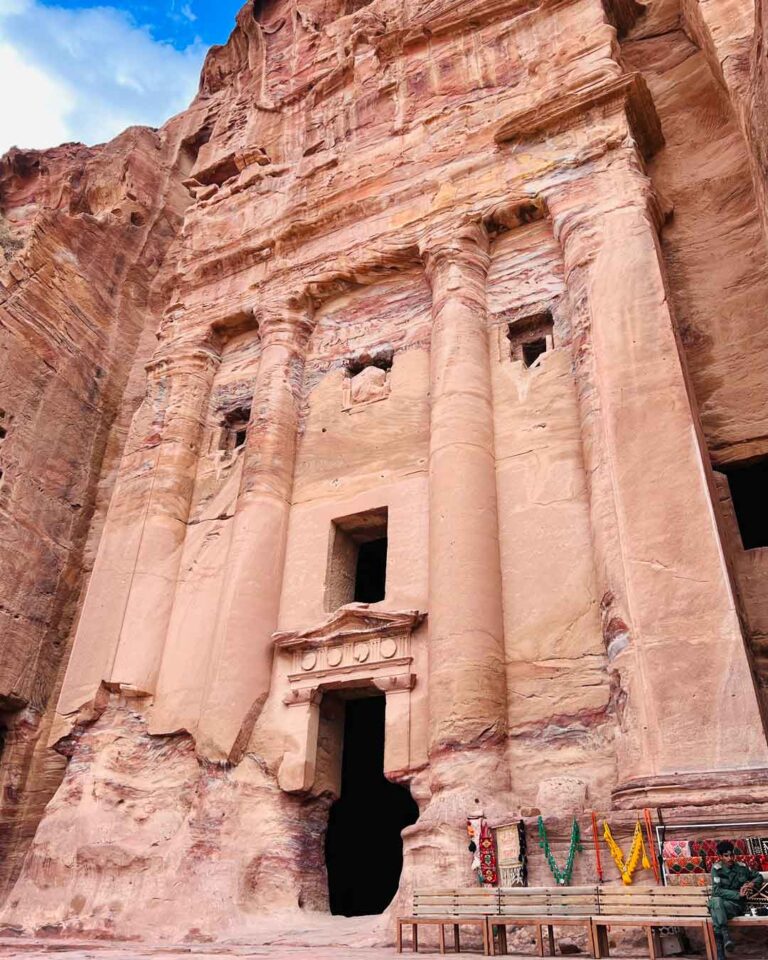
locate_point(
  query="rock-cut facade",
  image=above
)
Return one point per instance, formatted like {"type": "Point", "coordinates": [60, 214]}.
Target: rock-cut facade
{"type": "Point", "coordinates": [423, 361]}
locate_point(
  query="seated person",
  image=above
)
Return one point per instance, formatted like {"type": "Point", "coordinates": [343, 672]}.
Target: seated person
{"type": "Point", "coordinates": [732, 883]}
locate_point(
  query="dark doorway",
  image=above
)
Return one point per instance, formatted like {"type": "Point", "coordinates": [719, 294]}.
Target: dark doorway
{"type": "Point", "coordinates": [371, 571]}
{"type": "Point", "coordinates": [748, 486]}
{"type": "Point", "coordinates": [363, 847]}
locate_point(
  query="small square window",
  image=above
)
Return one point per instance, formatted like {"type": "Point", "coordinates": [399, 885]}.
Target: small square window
{"type": "Point", "coordinates": [530, 337]}
{"type": "Point", "coordinates": [357, 559]}
{"type": "Point", "coordinates": [234, 430]}
{"type": "Point", "coordinates": [367, 378]}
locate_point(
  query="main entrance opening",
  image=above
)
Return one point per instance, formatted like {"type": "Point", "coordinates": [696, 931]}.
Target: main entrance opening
{"type": "Point", "coordinates": [363, 847]}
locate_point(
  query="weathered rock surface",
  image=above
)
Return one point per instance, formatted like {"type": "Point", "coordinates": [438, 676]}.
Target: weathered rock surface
{"type": "Point", "coordinates": [487, 279]}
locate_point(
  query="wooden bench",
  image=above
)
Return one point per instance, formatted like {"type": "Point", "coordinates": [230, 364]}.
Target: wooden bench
{"type": "Point", "coordinates": [543, 908]}
{"type": "Point", "coordinates": [449, 908]}
{"type": "Point", "coordinates": [651, 908]}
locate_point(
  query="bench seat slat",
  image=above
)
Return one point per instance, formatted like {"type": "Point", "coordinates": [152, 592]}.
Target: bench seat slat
{"type": "Point", "coordinates": [662, 920]}
{"type": "Point", "coordinates": [534, 912]}
{"type": "Point", "coordinates": [653, 902]}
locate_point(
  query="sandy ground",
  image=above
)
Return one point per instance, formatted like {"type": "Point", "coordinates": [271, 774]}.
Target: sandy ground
{"type": "Point", "coordinates": [99, 950]}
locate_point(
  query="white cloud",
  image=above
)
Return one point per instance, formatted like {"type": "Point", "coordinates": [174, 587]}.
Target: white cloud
{"type": "Point", "coordinates": [35, 119]}
{"type": "Point", "coordinates": [85, 74]}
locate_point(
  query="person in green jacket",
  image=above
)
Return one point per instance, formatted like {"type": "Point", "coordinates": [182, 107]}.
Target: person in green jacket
{"type": "Point", "coordinates": [732, 883]}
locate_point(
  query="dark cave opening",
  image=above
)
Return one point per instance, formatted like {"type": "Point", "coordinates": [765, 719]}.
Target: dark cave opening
{"type": "Point", "coordinates": [363, 847]}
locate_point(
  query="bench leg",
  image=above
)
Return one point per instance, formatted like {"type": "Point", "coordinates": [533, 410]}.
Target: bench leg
{"type": "Point", "coordinates": [591, 939]}
{"type": "Point", "coordinates": [710, 945]}
{"type": "Point", "coordinates": [539, 940]}
{"type": "Point", "coordinates": [551, 938]}
{"type": "Point", "coordinates": [503, 939]}
{"type": "Point", "coordinates": [399, 936]}
{"type": "Point", "coordinates": [456, 940]}
{"type": "Point", "coordinates": [415, 937]}
{"type": "Point", "coordinates": [650, 934]}
{"type": "Point", "coordinates": [602, 948]}
{"type": "Point", "coordinates": [487, 948]}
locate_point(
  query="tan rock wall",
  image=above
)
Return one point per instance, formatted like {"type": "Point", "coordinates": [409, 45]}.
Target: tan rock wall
{"type": "Point", "coordinates": [558, 686]}
{"type": "Point", "coordinates": [75, 301]}
{"type": "Point", "coordinates": [712, 246]}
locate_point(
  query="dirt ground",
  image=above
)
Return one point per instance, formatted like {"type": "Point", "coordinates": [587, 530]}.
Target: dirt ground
{"type": "Point", "coordinates": [43, 949]}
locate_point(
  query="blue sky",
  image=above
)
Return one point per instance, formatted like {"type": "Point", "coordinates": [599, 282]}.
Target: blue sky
{"type": "Point", "coordinates": [73, 70]}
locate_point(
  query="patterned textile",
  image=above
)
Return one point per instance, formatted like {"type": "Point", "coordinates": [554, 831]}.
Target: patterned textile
{"type": "Point", "coordinates": [688, 880]}
{"type": "Point", "coordinates": [708, 848]}
{"type": "Point", "coordinates": [755, 845]}
{"type": "Point", "coordinates": [684, 865]}
{"type": "Point", "coordinates": [764, 842]}
{"type": "Point", "coordinates": [487, 851]}
{"type": "Point", "coordinates": [676, 848]}
{"type": "Point", "coordinates": [508, 843]}
{"type": "Point", "coordinates": [754, 862]}
{"type": "Point", "coordinates": [511, 876]}
{"type": "Point", "coordinates": [510, 854]}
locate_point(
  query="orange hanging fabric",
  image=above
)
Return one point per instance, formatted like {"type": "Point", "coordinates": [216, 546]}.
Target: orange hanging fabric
{"type": "Point", "coordinates": [651, 844]}
{"type": "Point", "coordinates": [597, 848]}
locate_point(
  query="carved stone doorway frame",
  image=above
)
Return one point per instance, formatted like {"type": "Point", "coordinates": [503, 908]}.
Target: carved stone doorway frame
{"type": "Point", "coordinates": [355, 647]}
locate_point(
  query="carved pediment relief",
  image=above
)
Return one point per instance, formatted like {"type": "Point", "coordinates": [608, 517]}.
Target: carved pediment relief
{"type": "Point", "coordinates": [355, 621]}
{"type": "Point", "coordinates": [354, 643]}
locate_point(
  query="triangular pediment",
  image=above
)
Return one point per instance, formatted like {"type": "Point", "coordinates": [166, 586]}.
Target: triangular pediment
{"type": "Point", "coordinates": [351, 622]}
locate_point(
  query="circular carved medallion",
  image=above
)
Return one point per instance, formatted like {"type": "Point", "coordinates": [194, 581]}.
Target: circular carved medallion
{"type": "Point", "coordinates": [334, 656]}
{"type": "Point", "coordinates": [361, 652]}
{"type": "Point", "coordinates": [388, 648]}
{"type": "Point", "coordinates": [309, 660]}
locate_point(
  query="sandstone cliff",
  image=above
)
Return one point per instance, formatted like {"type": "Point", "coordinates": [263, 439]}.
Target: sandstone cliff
{"type": "Point", "coordinates": [228, 337]}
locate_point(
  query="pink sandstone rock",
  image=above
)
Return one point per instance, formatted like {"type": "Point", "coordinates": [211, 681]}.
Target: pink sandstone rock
{"type": "Point", "coordinates": [486, 280]}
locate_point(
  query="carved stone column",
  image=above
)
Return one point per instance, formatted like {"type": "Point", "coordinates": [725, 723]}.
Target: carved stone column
{"type": "Point", "coordinates": [241, 661]}
{"type": "Point", "coordinates": [128, 604]}
{"type": "Point", "coordinates": [467, 687]}
{"type": "Point", "coordinates": [687, 702]}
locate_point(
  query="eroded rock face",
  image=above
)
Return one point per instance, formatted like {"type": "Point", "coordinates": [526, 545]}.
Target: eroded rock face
{"type": "Point", "coordinates": [396, 366]}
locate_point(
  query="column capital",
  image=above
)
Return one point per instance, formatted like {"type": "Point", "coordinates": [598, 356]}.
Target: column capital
{"type": "Point", "coordinates": [286, 318]}
{"type": "Point", "coordinates": [580, 205]}
{"type": "Point", "coordinates": [461, 250]}
{"type": "Point", "coordinates": [177, 356]}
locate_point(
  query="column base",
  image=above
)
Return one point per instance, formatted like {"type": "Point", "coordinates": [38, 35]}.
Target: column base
{"type": "Point", "coordinates": [705, 789]}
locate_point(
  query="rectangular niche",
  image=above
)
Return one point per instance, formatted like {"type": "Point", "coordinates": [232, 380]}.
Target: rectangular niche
{"type": "Point", "coordinates": [367, 379]}
{"type": "Point", "coordinates": [530, 337]}
{"type": "Point", "coordinates": [357, 559]}
{"type": "Point", "coordinates": [234, 431]}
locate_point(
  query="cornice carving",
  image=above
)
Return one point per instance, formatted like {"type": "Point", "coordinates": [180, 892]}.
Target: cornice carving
{"type": "Point", "coordinates": [177, 357]}
{"type": "Point", "coordinates": [355, 621]}
{"type": "Point", "coordinates": [288, 316]}
{"type": "Point", "coordinates": [629, 91]}
{"type": "Point", "coordinates": [354, 643]}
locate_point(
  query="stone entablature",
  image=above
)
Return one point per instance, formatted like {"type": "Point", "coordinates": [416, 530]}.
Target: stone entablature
{"type": "Point", "coordinates": [355, 647]}
{"type": "Point", "coordinates": [354, 643]}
